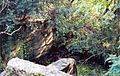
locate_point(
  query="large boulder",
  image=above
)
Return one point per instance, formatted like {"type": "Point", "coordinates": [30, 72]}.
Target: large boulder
{"type": "Point", "coordinates": [20, 67]}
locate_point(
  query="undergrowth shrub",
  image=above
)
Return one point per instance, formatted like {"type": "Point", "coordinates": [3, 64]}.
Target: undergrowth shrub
{"type": "Point", "coordinates": [13, 15]}
{"type": "Point", "coordinates": [81, 25]}
{"type": "Point", "coordinates": [90, 25]}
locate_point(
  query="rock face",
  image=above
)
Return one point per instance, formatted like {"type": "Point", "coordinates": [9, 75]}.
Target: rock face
{"type": "Point", "coordinates": [36, 39]}
{"type": "Point", "coordinates": [41, 41]}
{"type": "Point", "coordinates": [20, 67]}
{"type": "Point", "coordinates": [67, 65]}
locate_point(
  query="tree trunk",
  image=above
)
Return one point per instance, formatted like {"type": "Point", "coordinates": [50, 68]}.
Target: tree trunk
{"type": "Point", "coordinates": [2, 50]}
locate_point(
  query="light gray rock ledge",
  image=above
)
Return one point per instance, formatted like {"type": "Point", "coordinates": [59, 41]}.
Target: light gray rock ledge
{"type": "Point", "coordinates": [20, 67]}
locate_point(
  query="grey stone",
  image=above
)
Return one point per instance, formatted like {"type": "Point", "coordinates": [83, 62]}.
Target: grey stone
{"type": "Point", "coordinates": [20, 67]}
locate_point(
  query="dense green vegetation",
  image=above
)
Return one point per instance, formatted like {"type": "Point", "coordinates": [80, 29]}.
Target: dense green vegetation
{"type": "Point", "coordinates": [84, 26]}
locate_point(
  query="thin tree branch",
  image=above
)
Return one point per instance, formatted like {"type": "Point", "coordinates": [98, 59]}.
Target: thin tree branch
{"type": "Point", "coordinates": [10, 34]}
{"type": "Point", "coordinates": [91, 57]}
{"type": "Point", "coordinates": [3, 8]}
{"type": "Point", "coordinates": [6, 4]}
